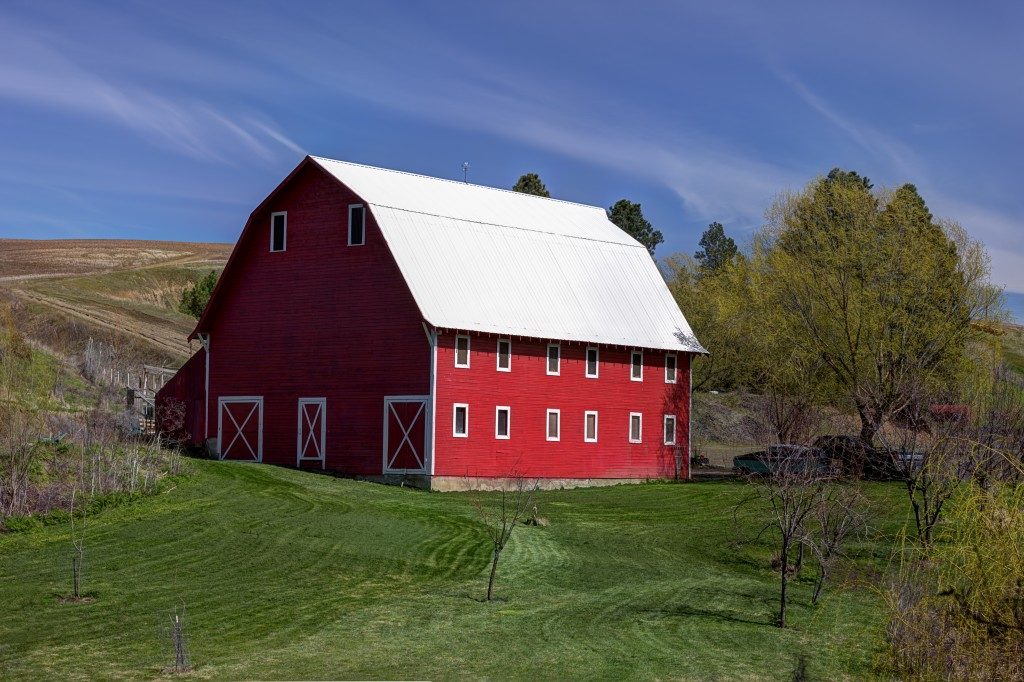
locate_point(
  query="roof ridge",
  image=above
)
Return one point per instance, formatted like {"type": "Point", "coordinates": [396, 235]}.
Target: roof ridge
{"type": "Point", "coordinates": [511, 227]}
{"type": "Point", "coordinates": [456, 182]}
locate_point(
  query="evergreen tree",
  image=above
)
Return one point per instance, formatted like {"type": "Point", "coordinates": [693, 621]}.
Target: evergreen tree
{"type": "Point", "coordinates": [195, 297]}
{"type": "Point", "coordinates": [716, 249]}
{"type": "Point", "coordinates": [530, 183]}
{"type": "Point", "coordinates": [628, 216]}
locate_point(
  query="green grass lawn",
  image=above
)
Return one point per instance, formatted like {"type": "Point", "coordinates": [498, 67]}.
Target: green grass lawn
{"type": "Point", "coordinates": [288, 574]}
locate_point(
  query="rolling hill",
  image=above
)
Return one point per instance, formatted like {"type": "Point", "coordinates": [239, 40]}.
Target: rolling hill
{"type": "Point", "coordinates": [122, 291]}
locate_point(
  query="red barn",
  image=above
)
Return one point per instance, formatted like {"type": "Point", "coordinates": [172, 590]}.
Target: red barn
{"type": "Point", "coordinates": [390, 325]}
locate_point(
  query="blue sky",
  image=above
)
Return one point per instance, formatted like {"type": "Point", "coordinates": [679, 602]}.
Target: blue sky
{"type": "Point", "coordinates": [172, 120]}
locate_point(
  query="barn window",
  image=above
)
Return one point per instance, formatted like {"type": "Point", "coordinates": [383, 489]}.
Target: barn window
{"type": "Point", "coordinates": [462, 351]}
{"type": "Point", "coordinates": [278, 231]}
{"type": "Point", "coordinates": [636, 427]}
{"type": "Point", "coordinates": [670, 429]}
{"type": "Point", "coordinates": [356, 225]}
{"type": "Point", "coordinates": [636, 372]}
{"type": "Point", "coordinates": [670, 368]}
{"type": "Point", "coordinates": [592, 362]}
{"type": "Point", "coordinates": [504, 355]}
{"type": "Point", "coordinates": [554, 358]}
{"type": "Point", "coordinates": [590, 427]}
{"type": "Point", "coordinates": [460, 420]}
{"type": "Point", "coordinates": [554, 425]}
{"type": "Point", "coordinates": [502, 419]}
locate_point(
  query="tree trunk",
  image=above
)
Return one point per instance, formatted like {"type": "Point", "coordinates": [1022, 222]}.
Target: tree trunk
{"type": "Point", "coordinates": [868, 428]}
{"type": "Point", "coordinates": [785, 582]}
{"type": "Point", "coordinates": [819, 585]}
{"type": "Point", "coordinates": [494, 572]}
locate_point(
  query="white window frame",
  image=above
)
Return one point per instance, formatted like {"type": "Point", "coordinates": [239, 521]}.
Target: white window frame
{"type": "Point", "coordinates": [508, 422]}
{"type": "Point", "coordinates": [597, 362]}
{"type": "Point", "coordinates": [468, 344]}
{"type": "Point", "coordinates": [586, 414]}
{"type": "Point", "coordinates": [675, 368]}
{"type": "Point", "coordinates": [284, 241]}
{"type": "Point", "coordinates": [455, 420]}
{"type": "Point", "coordinates": [498, 361]}
{"type": "Point", "coordinates": [632, 357]}
{"type": "Point", "coordinates": [675, 425]}
{"type": "Point", "coordinates": [640, 437]}
{"type": "Point", "coordinates": [558, 360]}
{"type": "Point", "coordinates": [547, 424]}
{"type": "Point", "coordinates": [350, 242]}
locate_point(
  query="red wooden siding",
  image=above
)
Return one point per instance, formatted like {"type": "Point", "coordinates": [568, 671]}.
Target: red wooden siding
{"type": "Point", "coordinates": [529, 391]}
{"type": "Point", "coordinates": [184, 392]}
{"type": "Point", "coordinates": [320, 319]}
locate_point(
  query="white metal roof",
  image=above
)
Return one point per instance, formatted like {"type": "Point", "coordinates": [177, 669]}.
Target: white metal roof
{"type": "Point", "coordinates": [490, 260]}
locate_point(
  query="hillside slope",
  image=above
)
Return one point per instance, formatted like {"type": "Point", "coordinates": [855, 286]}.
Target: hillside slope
{"type": "Point", "coordinates": [122, 291]}
{"type": "Point", "coordinates": [297, 575]}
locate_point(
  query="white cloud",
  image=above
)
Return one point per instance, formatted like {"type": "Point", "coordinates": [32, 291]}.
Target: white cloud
{"type": "Point", "coordinates": [34, 72]}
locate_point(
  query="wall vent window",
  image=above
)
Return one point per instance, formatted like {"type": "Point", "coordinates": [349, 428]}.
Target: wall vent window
{"type": "Point", "coordinates": [636, 426]}
{"type": "Point", "coordinates": [502, 420]}
{"type": "Point", "coordinates": [590, 427]}
{"type": "Point", "coordinates": [553, 425]}
{"type": "Point", "coordinates": [278, 231]}
{"type": "Point", "coordinates": [592, 362]}
{"type": "Point", "coordinates": [636, 372]}
{"type": "Point", "coordinates": [554, 358]}
{"type": "Point", "coordinates": [670, 429]}
{"type": "Point", "coordinates": [504, 355]}
{"type": "Point", "coordinates": [356, 225]}
{"type": "Point", "coordinates": [462, 351]}
{"type": "Point", "coordinates": [460, 420]}
{"type": "Point", "coordinates": [670, 369]}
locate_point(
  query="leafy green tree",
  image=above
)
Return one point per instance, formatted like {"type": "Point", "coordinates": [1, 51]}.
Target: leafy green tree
{"type": "Point", "coordinates": [716, 249]}
{"type": "Point", "coordinates": [871, 286]}
{"type": "Point", "coordinates": [530, 183]}
{"type": "Point", "coordinates": [195, 297]}
{"type": "Point", "coordinates": [628, 216]}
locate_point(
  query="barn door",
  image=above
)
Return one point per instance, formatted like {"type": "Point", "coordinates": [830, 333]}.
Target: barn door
{"type": "Point", "coordinates": [406, 444]}
{"type": "Point", "coordinates": [312, 431]}
{"type": "Point", "coordinates": [240, 428]}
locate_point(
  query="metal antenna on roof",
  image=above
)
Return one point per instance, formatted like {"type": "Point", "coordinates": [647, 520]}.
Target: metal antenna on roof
{"type": "Point", "coordinates": [465, 171]}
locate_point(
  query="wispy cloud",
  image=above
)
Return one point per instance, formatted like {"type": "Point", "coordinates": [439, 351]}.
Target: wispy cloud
{"type": "Point", "coordinates": [35, 72]}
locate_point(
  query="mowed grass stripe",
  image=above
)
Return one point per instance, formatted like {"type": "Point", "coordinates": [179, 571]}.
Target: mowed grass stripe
{"type": "Point", "coordinates": [290, 574]}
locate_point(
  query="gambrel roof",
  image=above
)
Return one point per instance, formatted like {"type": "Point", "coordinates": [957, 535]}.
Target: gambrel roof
{"type": "Point", "coordinates": [496, 261]}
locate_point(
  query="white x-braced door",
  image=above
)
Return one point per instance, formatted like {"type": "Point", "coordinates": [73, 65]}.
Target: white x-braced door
{"type": "Point", "coordinates": [406, 434]}
{"type": "Point", "coordinates": [240, 428]}
{"type": "Point", "coordinates": [311, 435]}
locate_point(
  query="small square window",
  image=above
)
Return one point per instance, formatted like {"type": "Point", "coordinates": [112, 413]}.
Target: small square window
{"type": "Point", "coordinates": [592, 362]}
{"type": "Point", "coordinates": [504, 355]}
{"type": "Point", "coordinates": [460, 420]}
{"type": "Point", "coordinates": [670, 368]}
{"type": "Point", "coordinates": [554, 359]}
{"type": "Point", "coordinates": [356, 225]}
{"type": "Point", "coordinates": [636, 426]}
{"type": "Point", "coordinates": [462, 351]}
{"type": "Point", "coordinates": [278, 231]}
{"type": "Point", "coordinates": [553, 425]}
{"type": "Point", "coordinates": [502, 419]}
{"type": "Point", "coordinates": [670, 429]}
{"type": "Point", "coordinates": [636, 372]}
{"type": "Point", "coordinates": [590, 427]}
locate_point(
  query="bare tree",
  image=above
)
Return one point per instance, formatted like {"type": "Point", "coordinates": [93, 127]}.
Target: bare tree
{"type": "Point", "coordinates": [840, 514]}
{"type": "Point", "coordinates": [179, 641]}
{"type": "Point", "coordinates": [500, 520]}
{"type": "Point", "coordinates": [793, 491]}
{"type": "Point", "coordinates": [932, 455]}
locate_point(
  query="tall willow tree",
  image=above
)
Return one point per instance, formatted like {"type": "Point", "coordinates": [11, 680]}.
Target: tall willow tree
{"type": "Point", "coordinates": [873, 287]}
